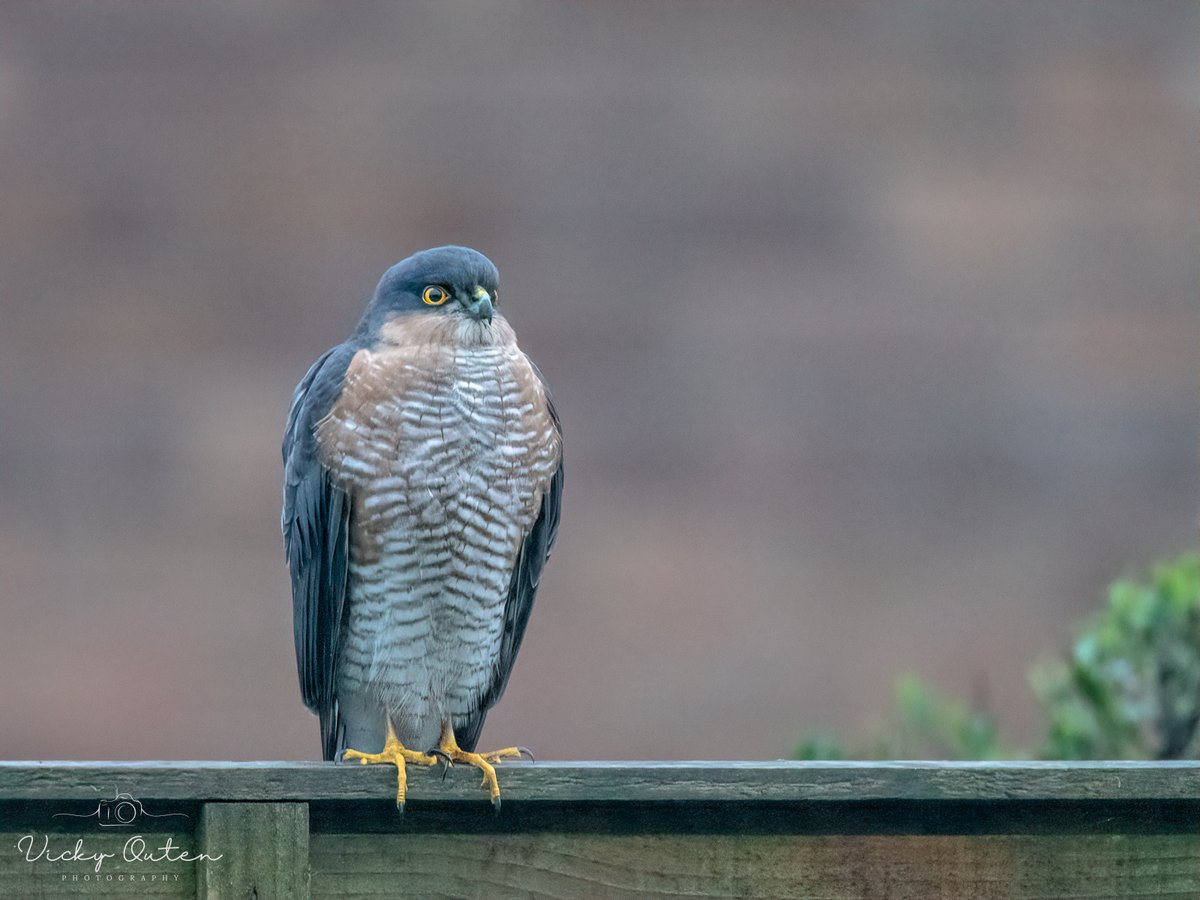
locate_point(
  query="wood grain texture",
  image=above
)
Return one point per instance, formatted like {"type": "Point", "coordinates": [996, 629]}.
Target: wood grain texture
{"type": "Point", "coordinates": [1034, 831]}
{"type": "Point", "coordinates": [254, 851]}
{"type": "Point", "coordinates": [828, 868]}
{"type": "Point", "coordinates": [617, 782]}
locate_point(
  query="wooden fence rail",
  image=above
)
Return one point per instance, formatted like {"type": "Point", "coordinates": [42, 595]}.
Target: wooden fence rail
{"type": "Point", "coordinates": [592, 830]}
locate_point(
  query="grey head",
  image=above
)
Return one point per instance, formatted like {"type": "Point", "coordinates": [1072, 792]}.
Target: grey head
{"type": "Point", "coordinates": [443, 281]}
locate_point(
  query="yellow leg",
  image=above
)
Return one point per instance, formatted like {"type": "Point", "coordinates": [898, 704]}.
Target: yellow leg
{"type": "Point", "coordinates": [482, 761]}
{"type": "Point", "coordinates": [397, 754]}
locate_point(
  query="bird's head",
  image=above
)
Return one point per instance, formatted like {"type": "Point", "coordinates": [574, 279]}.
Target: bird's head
{"type": "Point", "coordinates": [445, 281]}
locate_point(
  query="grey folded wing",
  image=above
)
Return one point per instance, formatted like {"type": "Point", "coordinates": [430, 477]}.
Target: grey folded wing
{"type": "Point", "coordinates": [316, 535]}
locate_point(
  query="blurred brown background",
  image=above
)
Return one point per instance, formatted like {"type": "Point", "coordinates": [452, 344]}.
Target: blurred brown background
{"type": "Point", "coordinates": [873, 328]}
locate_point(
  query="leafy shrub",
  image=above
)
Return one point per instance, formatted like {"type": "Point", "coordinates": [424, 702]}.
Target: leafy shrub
{"type": "Point", "coordinates": [1128, 689]}
{"type": "Point", "coordinates": [927, 725]}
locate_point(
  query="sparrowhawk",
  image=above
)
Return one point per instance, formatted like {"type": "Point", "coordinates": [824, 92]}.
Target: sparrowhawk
{"type": "Point", "coordinates": [423, 479]}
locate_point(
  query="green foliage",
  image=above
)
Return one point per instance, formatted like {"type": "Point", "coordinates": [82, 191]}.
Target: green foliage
{"type": "Point", "coordinates": [1128, 689]}
{"type": "Point", "coordinates": [818, 746]}
{"type": "Point", "coordinates": [927, 726]}
{"type": "Point", "coordinates": [936, 727]}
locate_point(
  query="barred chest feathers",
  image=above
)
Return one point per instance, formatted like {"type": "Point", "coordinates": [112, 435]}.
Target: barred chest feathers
{"type": "Point", "coordinates": [443, 437]}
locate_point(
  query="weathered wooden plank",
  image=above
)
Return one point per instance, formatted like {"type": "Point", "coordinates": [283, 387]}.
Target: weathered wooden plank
{"type": "Point", "coordinates": [566, 782]}
{"type": "Point", "coordinates": [820, 830]}
{"type": "Point", "coordinates": [822, 868]}
{"type": "Point", "coordinates": [896, 817]}
{"type": "Point", "coordinates": [253, 851]}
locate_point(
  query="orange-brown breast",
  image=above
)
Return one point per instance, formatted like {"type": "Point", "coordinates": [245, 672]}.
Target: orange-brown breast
{"type": "Point", "coordinates": [443, 437]}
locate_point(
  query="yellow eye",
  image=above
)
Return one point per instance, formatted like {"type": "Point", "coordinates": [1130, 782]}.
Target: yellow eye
{"type": "Point", "coordinates": [435, 296]}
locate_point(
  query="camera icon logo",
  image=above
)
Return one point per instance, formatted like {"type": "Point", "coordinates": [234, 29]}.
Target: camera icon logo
{"type": "Point", "coordinates": [123, 811]}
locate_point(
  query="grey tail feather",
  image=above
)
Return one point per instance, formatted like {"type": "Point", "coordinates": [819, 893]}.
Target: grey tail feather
{"type": "Point", "coordinates": [467, 734]}
{"type": "Point", "coordinates": [333, 732]}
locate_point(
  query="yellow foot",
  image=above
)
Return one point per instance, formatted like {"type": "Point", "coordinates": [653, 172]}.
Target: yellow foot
{"type": "Point", "coordinates": [398, 755]}
{"type": "Point", "coordinates": [482, 761]}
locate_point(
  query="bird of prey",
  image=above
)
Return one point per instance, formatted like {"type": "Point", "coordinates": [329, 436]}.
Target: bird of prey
{"type": "Point", "coordinates": [422, 483]}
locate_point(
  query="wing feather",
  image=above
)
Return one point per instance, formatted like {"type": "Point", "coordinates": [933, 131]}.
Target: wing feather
{"type": "Point", "coordinates": [316, 534]}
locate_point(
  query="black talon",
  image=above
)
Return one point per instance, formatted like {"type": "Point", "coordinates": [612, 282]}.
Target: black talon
{"type": "Point", "coordinates": [525, 751]}
{"type": "Point", "coordinates": [444, 757]}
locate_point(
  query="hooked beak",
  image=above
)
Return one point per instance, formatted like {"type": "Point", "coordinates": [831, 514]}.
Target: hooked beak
{"type": "Point", "coordinates": [480, 305]}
